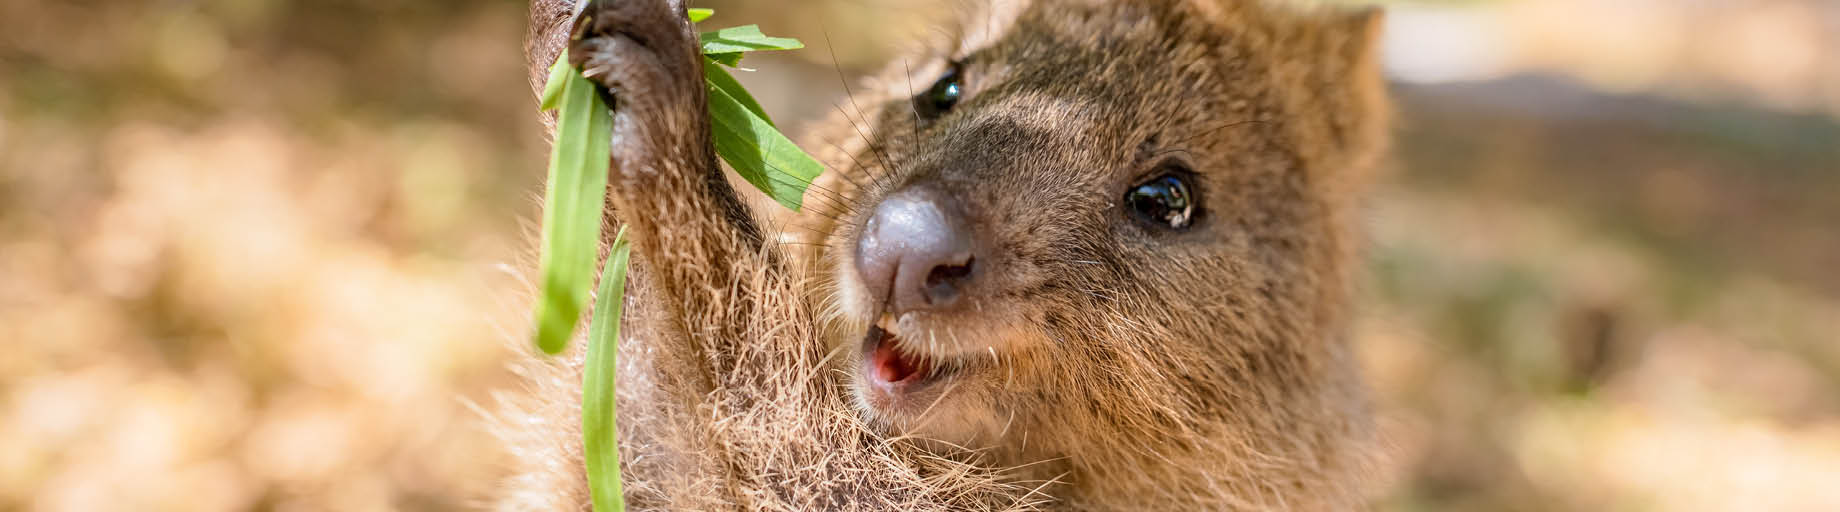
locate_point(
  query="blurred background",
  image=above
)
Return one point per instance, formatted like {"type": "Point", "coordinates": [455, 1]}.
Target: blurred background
{"type": "Point", "coordinates": [265, 254]}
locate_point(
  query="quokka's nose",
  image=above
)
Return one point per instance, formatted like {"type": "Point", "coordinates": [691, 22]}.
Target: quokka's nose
{"type": "Point", "coordinates": [916, 251]}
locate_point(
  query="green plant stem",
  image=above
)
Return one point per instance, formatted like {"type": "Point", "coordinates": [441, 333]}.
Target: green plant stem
{"type": "Point", "coordinates": [600, 438]}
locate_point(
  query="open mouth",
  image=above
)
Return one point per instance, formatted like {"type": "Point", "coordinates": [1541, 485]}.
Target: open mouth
{"type": "Point", "coordinates": [891, 370]}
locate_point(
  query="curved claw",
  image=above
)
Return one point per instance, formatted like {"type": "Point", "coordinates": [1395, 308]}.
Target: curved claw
{"type": "Point", "coordinates": [645, 55]}
{"type": "Point", "coordinates": [637, 47]}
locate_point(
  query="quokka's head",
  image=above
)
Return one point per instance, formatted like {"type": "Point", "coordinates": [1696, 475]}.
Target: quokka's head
{"type": "Point", "coordinates": [1083, 217]}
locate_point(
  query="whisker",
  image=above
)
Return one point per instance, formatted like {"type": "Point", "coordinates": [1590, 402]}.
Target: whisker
{"type": "Point", "coordinates": [851, 95]}
{"type": "Point", "coordinates": [859, 164]}
{"type": "Point", "coordinates": [1211, 131]}
{"type": "Point", "coordinates": [840, 204]}
{"type": "Point", "coordinates": [807, 228]}
{"type": "Point", "coordinates": [915, 129]}
{"type": "Point", "coordinates": [814, 244]}
{"type": "Point", "coordinates": [881, 180]}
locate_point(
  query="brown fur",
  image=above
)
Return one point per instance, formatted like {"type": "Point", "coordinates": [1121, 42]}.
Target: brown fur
{"type": "Point", "coordinates": [1119, 368]}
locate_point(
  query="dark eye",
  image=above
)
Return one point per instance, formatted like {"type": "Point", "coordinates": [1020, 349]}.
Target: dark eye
{"type": "Point", "coordinates": [1165, 200]}
{"type": "Point", "coordinates": [942, 96]}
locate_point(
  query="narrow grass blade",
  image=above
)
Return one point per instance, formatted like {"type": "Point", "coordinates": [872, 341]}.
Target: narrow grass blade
{"type": "Point", "coordinates": [758, 152]}
{"type": "Point", "coordinates": [572, 206]}
{"type": "Point", "coordinates": [601, 441]}
{"type": "Point", "coordinates": [558, 77]}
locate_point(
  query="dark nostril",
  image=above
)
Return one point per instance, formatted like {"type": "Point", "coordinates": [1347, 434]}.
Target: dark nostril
{"type": "Point", "coordinates": [915, 251]}
{"type": "Point", "coordinates": [942, 283]}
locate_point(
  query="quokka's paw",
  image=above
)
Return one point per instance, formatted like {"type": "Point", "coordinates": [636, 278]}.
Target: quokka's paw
{"type": "Point", "coordinates": [634, 44]}
{"type": "Point", "coordinates": [646, 56]}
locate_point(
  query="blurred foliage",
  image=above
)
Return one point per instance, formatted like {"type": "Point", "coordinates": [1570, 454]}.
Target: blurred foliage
{"type": "Point", "coordinates": [248, 251]}
{"type": "Point", "coordinates": [1585, 301]}
{"type": "Point", "coordinates": [261, 254]}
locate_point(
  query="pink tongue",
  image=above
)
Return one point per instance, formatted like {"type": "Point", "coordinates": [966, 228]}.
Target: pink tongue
{"type": "Point", "coordinates": [889, 365]}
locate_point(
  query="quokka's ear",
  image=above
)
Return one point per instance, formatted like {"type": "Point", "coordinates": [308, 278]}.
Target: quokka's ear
{"type": "Point", "coordinates": [1353, 43]}
{"type": "Point", "coordinates": [1333, 53]}
{"type": "Point", "coordinates": [1360, 29]}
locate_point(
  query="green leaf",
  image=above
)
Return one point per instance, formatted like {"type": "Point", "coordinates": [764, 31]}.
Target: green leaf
{"type": "Point", "coordinates": [600, 440]}
{"type": "Point", "coordinates": [558, 76]}
{"type": "Point", "coordinates": [575, 200]}
{"type": "Point", "coordinates": [572, 205]}
{"type": "Point", "coordinates": [758, 152]}
{"type": "Point", "coordinates": [726, 59]}
{"type": "Point", "coordinates": [720, 79]}
{"type": "Point", "coordinates": [746, 38]}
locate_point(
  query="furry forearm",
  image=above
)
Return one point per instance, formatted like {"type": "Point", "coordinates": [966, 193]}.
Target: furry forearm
{"type": "Point", "coordinates": [736, 342]}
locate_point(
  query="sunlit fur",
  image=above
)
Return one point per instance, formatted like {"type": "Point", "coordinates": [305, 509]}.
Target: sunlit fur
{"type": "Point", "coordinates": [1116, 365]}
